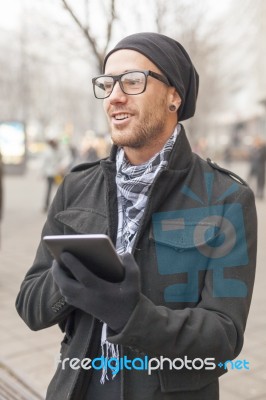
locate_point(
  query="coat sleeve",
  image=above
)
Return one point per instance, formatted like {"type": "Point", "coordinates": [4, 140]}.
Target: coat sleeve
{"type": "Point", "coordinates": [39, 301]}
{"type": "Point", "coordinates": [214, 327]}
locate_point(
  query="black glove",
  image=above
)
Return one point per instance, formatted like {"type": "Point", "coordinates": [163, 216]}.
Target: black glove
{"type": "Point", "coordinates": [110, 302]}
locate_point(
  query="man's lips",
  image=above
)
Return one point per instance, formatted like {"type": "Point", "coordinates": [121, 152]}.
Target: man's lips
{"type": "Point", "coordinates": [120, 116]}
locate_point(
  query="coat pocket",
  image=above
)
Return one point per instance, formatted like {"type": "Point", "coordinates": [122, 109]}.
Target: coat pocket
{"type": "Point", "coordinates": [193, 241]}
{"type": "Point", "coordinates": [82, 221]}
{"type": "Point", "coordinates": [181, 253]}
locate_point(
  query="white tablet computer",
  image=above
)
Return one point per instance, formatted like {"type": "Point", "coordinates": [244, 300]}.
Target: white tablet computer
{"type": "Point", "coordinates": [96, 252]}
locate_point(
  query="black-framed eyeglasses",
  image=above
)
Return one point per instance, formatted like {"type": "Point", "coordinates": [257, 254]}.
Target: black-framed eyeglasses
{"type": "Point", "coordinates": [131, 82]}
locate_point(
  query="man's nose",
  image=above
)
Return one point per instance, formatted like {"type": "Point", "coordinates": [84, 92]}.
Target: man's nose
{"type": "Point", "coordinates": [117, 94]}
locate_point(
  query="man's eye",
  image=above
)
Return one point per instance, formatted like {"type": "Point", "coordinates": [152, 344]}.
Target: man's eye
{"type": "Point", "coordinates": [132, 82]}
{"type": "Point", "coordinates": [107, 85]}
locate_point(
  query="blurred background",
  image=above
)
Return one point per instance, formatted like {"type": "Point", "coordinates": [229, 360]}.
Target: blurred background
{"type": "Point", "coordinates": [49, 51]}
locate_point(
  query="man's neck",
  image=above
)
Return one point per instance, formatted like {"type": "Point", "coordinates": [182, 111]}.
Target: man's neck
{"type": "Point", "coordinates": [137, 156]}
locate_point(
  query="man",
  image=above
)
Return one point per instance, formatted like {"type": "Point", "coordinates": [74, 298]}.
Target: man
{"type": "Point", "coordinates": [186, 233]}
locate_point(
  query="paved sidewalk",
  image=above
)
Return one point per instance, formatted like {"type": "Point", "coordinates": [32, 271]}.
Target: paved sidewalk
{"type": "Point", "coordinates": [31, 355]}
{"type": "Point", "coordinates": [12, 387]}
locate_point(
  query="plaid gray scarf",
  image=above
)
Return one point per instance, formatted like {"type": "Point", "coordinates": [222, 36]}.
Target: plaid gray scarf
{"type": "Point", "coordinates": [133, 184]}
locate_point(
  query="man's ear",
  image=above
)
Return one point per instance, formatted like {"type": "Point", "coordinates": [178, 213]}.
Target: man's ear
{"type": "Point", "coordinates": [174, 98]}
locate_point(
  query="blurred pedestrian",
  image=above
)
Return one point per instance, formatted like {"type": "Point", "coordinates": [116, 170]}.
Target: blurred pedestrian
{"type": "Point", "coordinates": [89, 147]}
{"type": "Point", "coordinates": [227, 156]}
{"type": "Point", "coordinates": [54, 166]}
{"type": "Point", "coordinates": [91, 154]}
{"type": "Point", "coordinates": [258, 166]}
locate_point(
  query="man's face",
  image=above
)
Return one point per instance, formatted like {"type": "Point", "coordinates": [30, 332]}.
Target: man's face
{"type": "Point", "coordinates": [138, 121]}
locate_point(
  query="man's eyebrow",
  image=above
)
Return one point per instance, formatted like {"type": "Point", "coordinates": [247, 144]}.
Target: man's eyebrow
{"type": "Point", "coordinates": [125, 71]}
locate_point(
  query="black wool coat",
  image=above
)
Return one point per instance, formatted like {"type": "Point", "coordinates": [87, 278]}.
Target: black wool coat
{"type": "Point", "coordinates": [196, 250]}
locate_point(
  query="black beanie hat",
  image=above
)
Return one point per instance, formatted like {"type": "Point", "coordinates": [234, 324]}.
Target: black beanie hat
{"type": "Point", "coordinates": [173, 61]}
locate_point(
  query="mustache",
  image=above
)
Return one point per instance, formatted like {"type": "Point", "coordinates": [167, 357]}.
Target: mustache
{"type": "Point", "coordinates": [121, 109]}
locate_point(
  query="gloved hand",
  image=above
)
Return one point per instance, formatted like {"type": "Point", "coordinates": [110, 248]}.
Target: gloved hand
{"type": "Point", "coordinates": [110, 302]}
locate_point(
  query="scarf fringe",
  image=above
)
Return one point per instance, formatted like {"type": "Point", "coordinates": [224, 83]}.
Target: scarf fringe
{"type": "Point", "coordinates": [109, 350]}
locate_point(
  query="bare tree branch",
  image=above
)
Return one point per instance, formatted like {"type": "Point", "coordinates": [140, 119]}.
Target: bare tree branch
{"type": "Point", "coordinates": [99, 54]}
{"type": "Point", "coordinates": [161, 9]}
{"type": "Point", "coordinates": [87, 33]}
{"type": "Point", "coordinates": [110, 24]}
